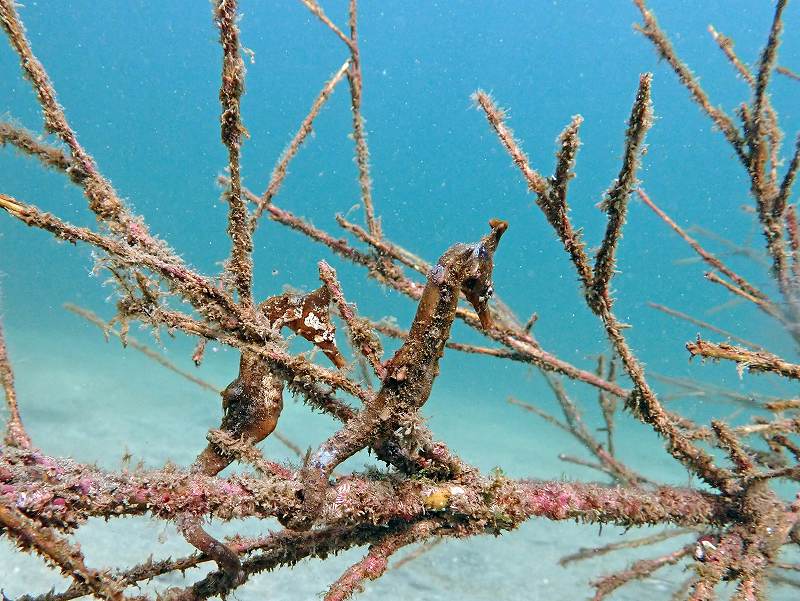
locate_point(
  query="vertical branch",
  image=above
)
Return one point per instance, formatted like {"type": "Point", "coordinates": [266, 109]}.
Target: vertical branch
{"type": "Point", "coordinates": [15, 432]}
{"type": "Point", "coordinates": [232, 130]}
{"type": "Point", "coordinates": [550, 195]}
{"type": "Point", "coordinates": [793, 231]}
{"type": "Point", "coordinates": [565, 161]}
{"type": "Point", "coordinates": [765, 67]}
{"type": "Point", "coordinates": [616, 200]}
{"type": "Point", "coordinates": [556, 209]}
{"type": "Point", "coordinates": [359, 135]}
{"type": "Point", "coordinates": [363, 339]}
{"type": "Point", "coordinates": [773, 131]}
{"type": "Point", "coordinates": [608, 403]}
{"type": "Point", "coordinates": [785, 190]}
{"type": "Point", "coordinates": [759, 131]}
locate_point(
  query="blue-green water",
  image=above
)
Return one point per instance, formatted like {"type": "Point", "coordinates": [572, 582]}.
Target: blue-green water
{"type": "Point", "coordinates": [139, 83]}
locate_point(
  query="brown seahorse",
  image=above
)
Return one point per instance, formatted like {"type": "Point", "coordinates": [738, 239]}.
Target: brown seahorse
{"type": "Point", "coordinates": [253, 402]}
{"type": "Point", "coordinates": [465, 268]}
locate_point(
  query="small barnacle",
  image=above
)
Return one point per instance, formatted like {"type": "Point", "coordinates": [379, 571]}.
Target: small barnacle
{"type": "Point", "coordinates": [400, 373]}
{"type": "Point", "coordinates": [437, 500]}
{"type": "Point", "coordinates": [703, 547]}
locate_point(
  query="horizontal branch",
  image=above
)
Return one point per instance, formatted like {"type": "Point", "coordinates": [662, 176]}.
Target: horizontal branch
{"type": "Point", "coordinates": [628, 543]}
{"type": "Point", "coordinates": [749, 360]}
{"type": "Point", "coordinates": [73, 492]}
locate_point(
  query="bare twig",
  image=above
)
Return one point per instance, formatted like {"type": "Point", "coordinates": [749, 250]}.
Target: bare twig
{"type": "Point", "coordinates": [317, 11]}
{"type": "Point", "coordinates": [709, 258]}
{"type": "Point", "coordinates": [787, 72]}
{"type": "Point", "coordinates": [306, 127]}
{"type": "Point", "coordinates": [629, 543]}
{"type": "Point", "coordinates": [142, 348]}
{"type": "Point", "coordinates": [638, 570]}
{"type": "Point", "coordinates": [703, 324]}
{"type": "Point", "coordinates": [417, 553]}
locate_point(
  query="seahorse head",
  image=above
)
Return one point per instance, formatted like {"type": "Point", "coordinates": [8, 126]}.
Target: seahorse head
{"type": "Point", "coordinates": [468, 267]}
{"type": "Point", "coordinates": [478, 286]}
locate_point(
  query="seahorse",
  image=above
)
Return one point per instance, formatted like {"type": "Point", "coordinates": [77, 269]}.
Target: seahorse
{"type": "Point", "coordinates": [253, 402]}
{"type": "Point", "coordinates": [463, 268]}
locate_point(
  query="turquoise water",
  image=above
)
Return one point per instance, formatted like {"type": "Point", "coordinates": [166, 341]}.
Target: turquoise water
{"type": "Point", "coordinates": [139, 83]}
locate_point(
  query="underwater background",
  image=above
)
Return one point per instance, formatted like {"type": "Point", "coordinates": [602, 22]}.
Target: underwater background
{"type": "Point", "coordinates": [139, 82]}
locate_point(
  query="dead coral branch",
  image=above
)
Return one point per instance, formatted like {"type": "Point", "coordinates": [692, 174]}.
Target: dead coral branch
{"type": "Point", "coordinates": [757, 361]}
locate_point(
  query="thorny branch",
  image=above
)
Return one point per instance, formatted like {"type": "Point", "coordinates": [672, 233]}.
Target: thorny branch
{"type": "Point", "coordinates": [230, 93]}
